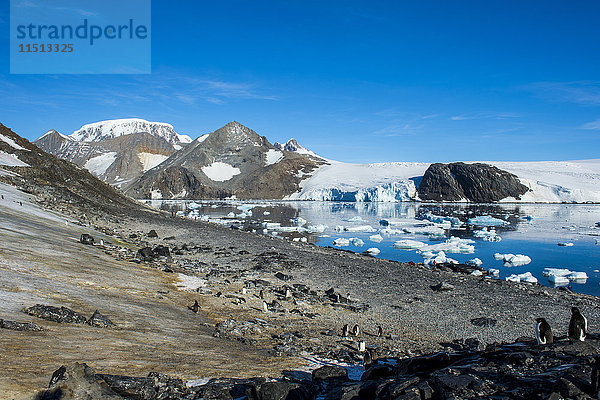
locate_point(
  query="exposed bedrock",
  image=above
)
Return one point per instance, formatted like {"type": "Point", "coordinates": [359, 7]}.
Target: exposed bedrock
{"type": "Point", "coordinates": [480, 183]}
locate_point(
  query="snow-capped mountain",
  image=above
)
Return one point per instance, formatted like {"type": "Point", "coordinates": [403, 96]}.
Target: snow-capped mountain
{"type": "Point", "coordinates": [116, 151]}
{"type": "Point", "coordinates": [293, 146]}
{"type": "Point", "coordinates": [111, 129]}
{"type": "Point", "coordinates": [231, 161]}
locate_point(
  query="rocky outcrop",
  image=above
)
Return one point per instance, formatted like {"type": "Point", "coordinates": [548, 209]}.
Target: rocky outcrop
{"type": "Point", "coordinates": [231, 161]}
{"type": "Point", "coordinates": [481, 183]}
{"type": "Point", "coordinates": [521, 370]}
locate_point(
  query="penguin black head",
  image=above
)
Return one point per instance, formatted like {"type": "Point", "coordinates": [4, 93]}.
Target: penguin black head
{"type": "Point", "coordinates": [540, 320]}
{"type": "Point", "coordinates": [575, 310]}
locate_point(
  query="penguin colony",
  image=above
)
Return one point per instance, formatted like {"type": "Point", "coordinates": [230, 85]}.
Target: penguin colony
{"type": "Point", "coordinates": [577, 328]}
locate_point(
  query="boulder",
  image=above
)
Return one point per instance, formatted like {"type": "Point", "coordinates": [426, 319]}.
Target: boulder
{"type": "Point", "coordinates": [481, 183]}
{"type": "Point", "coordinates": [281, 390]}
{"type": "Point", "coordinates": [56, 314]}
{"type": "Point", "coordinates": [86, 239]}
{"type": "Point", "coordinates": [152, 234]}
{"type": "Point", "coordinates": [162, 251]}
{"type": "Point", "coordinates": [146, 254]}
{"type": "Point", "coordinates": [77, 381]}
{"type": "Point", "coordinates": [100, 321]}
{"type": "Point", "coordinates": [19, 326]}
{"type": "Point", "coordinates": [330, 373]}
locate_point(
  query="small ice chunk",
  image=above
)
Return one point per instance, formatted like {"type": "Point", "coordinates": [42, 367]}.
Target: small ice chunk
{"type": "Point", "coordinates": [357, 242]}
{"type": "Point", "coordinates": [375, 238]}
{"type": "Point", "coordinates": [558, 280]}
{"type": "Point", "coordinates": [476, 262]}
{"type": "Point", "coordinates": [577, 276]}
{"type": "Point", "coordinates": [316, 228]}
{"type": "Point", "coordinates": [565, 244]}
{"type": "Point", "coordinates": [513, 278]}
{"type": "Point", "coordinates": [512, 259]}
{"type": "Point", "coordinates": [361, 228]}
{"type": "Point", "coordinates": [494, 272]}
{"type": "Point", "coordinates": [527, 277]}
{"type": "Point", "coordinates": [299, 221]}
{"type": "Point", "coordinates": [231, 215]}
{"type": "Point", "coordinates": [477, 273]}
{"type": "Point", "coordinates": [358, 218]}
{"type": "Point", "coordinates": [266, 213]}
{"type": "Point", "coordinates": [556, 272]}
{"type": "Point", "coordinates": [373, 251]}
{"type": "Point", "coordinates": [341, 242]}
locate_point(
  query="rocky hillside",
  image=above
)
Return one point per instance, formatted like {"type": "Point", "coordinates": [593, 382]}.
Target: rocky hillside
{"type": "Point", "coordinates": [231, 161]}
{"type": "Point", "coordinates": [26, 166]}
{"type": "Point", "coordinates": [116, 151]}
{"type": "Point", "coordinates": [477, 182]}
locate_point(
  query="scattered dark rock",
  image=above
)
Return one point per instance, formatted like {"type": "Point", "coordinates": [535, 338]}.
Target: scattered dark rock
{"type": "Point", "coordinates": [145, 254]}
{"type": "Point", "coordinates": [56, 314]}
{"type": "Point", "coordinates": [283, 277]}
{"type": "Point", "coordinates": [152, 234]}
{"type": "Point", "coordinates": [330, 373]}
{"type": "Point", "coordinates": [86, 239]}
{"type": "Point", "coordinates": [162, 251]}
{"type": "Point", "coordinates": [19, 326]}
{"type": "Point", "coordinates": [442, 287]}
{"type": "Point", "coordinates": [100, 321]}
{"type": "Point", "coordinates": [173, 238]}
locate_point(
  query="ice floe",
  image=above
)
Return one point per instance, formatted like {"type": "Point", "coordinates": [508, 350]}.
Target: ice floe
{"type": "Point", "coordinates": [373, 251]}
{"type": "Point", "coordinates": [341, 242]}
{"type": "Point", "coordinates": [376, 238]}
{"type": "Point", "coordinates": [357, 242]}
{"type": "Point", "coordinates": [451, 245]}
{"type": "Point", "coordinates": [486, 220]}
{"type": "Point", "coordinates": [408, 244]}
{"type": "Point", "coordinates": [513, 259]}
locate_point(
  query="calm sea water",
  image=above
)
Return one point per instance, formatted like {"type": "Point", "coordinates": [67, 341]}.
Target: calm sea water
{"type": "Point", "coordinates": [532, 230]}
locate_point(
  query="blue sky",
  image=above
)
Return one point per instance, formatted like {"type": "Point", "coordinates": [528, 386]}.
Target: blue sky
{"type": "Point", "coordinates": [358, 81]}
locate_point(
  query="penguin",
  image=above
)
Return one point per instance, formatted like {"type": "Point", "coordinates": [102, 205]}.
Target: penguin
{"type": "Point", "coordinates": [367, 360]}
{"type": "Point", "coordinates": [379, 331]}
{"type": "Point", "coordinates": [362, 346]}
{"type": "Point", "coordinates": [288, 293]}
{"type": "Point", "coordinates": [577, 325]}
{"type": "Point", "coordinates": [261, 294]}
{"type": "Point", "coordinates": [265, 306]}
{"type": "Point", "coordinates": [543, 332]}
{"type": "Point", "coordinates": [345, 331]}
{"type": "Point", "coordinates": [195, 308]}
{"type": "Point", "coordinates": [356, 330]}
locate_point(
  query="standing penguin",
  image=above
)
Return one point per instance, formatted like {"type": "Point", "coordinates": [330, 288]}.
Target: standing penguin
{"type": "Point", "coordinates": [379, 331]}
{"type": "Point", "coordinates": [356, 330]}
{"type": "Point", "coordinates": [543, 332]}
{"type": "Point", "coordinates": [345, 331]}
{"type": "Point", "coordinates": [577, 325]}
{"type": "Point", "coordinates": [195, 307]}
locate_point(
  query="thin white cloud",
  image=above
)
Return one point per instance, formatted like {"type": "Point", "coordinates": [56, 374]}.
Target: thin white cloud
{"type": "Point", "coordinates": [579, 92]}
{"type": "Point", "coordinates": [503, 115]}
{"type": "Point", "coordinates": [592, 126]}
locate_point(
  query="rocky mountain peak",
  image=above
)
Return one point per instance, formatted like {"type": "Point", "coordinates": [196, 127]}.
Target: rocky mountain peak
{"type": "Point", "coordinates": [293, 146]}
{"type": "Point", "coordinates": [235, 135]}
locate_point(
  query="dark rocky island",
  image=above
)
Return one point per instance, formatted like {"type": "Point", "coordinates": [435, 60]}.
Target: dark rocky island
{"type": "Point", "coordinates": [480, 183]}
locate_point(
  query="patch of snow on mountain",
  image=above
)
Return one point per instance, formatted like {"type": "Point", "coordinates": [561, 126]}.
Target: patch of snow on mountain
{"type": "Point", "coordinates": [273, 157]}
{"type": "Point", "coordinates": [150, 160]}
{"type": "Point", "coordinates": [11, 160]}
{"type": "Point", "coordinates": [99, 164]}
{"type": "Point", "coordinates": [118, 127]}
{"type": "Point", "coordinates": [12, 143]}
{"type": "Point", "coordinates": [220, 171]}
{"type": "Point", "coordinates": [202, 138]}
{"type": "Point", "coordinates": [381, 182]}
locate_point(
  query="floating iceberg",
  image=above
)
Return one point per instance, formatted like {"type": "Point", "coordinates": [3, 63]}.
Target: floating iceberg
{"type": "Point", "coordinates": [341, 242]}
{"type": "Point", "coordinates": [408, 244]}
{"type": "Point", "coordinates": [373, 251]}
{"type": "Point", "coordinates": [357, 242]}
{"type": "Point", "coordinates": [512, 259]}
{"type": "Point", "coordinates": [299, 221]}
{"type": "Point", "coordinates": [375, 238]}
{"type": "Point", "coordinates": [526, 277]}
{"type": "Point", "coordinates": [565, 244]}
{"type": "Point", "coordinates": [494, 272]}
{"type": "Point", "coordinates": [358, 218]}
{"type": "Point", "coordinates": [425, 230]}
{"type": "Point", "coordinates": [558, 280]}
{"type": "Point", "coordinates": [361, 228]}
{"type": "Point", "coordinates": [316, 228]}
{"type": "Point", "coordinates": [476, 262]}
{"type": "Point", "coordinates": [486, 220]}
{"type": "Point", "coordinates": [452, 245]}
{"type": "Point", "coordinates": [439, 219]}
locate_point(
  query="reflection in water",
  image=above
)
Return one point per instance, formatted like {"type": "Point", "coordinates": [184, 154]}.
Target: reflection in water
{"type": "Point", "coordinates": [532, 230]}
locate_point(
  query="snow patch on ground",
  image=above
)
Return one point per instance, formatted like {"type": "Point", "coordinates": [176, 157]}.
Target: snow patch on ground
{"type": "Point", "coordinates": [189, 283]}
{"type": "Point", "coordinates": [150, 160]}
{"type": "Point", "coordinates": [12, 143]}
{"type": "Point", "coordinates": [273, 157]}
{"type": "Point", "coordinates": [220, 171]}
{"type": "Point", "coordinates": [11, 160]}
{"type": "Point", "coordinates": [99, 164]}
